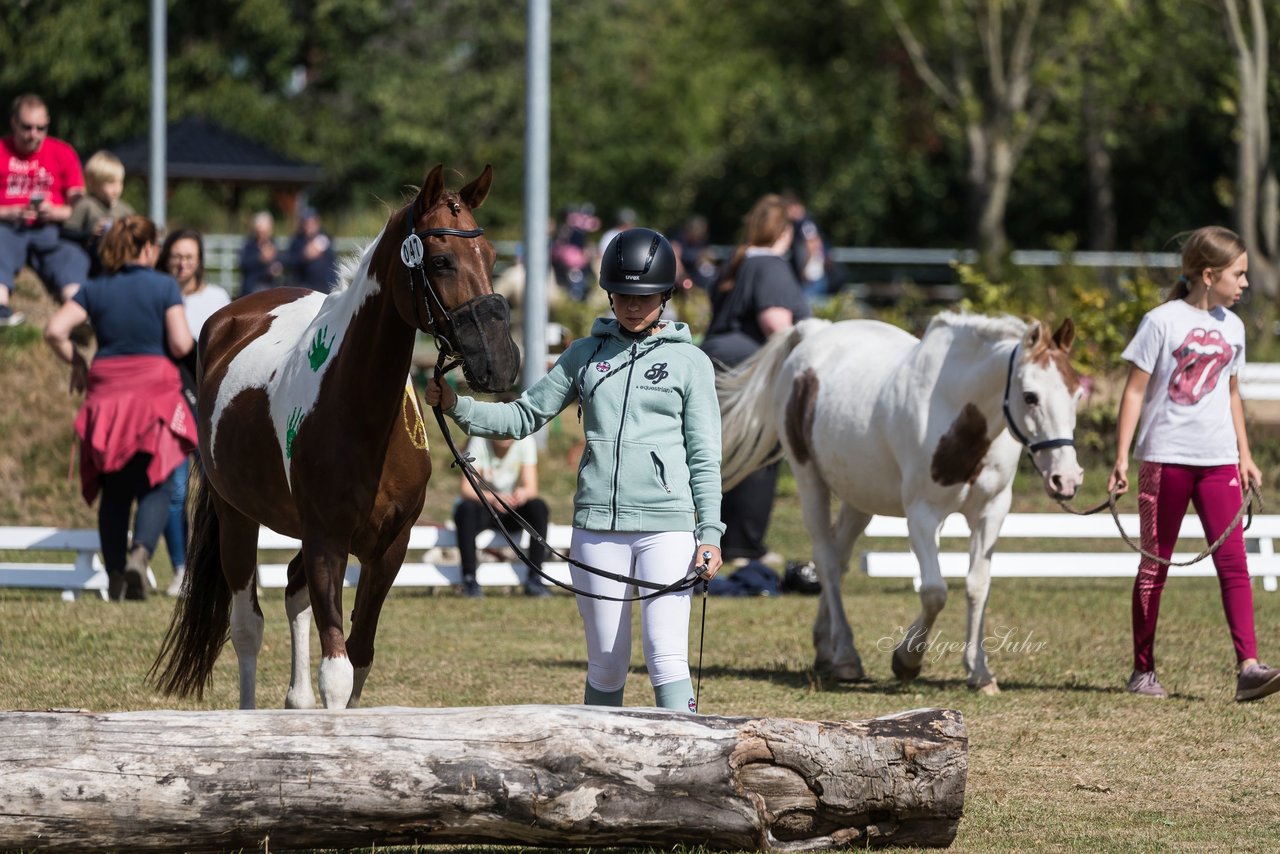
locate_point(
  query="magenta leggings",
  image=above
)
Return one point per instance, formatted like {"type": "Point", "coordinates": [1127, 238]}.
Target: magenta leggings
{"type": "Point", "coordinates": [1163, 492]}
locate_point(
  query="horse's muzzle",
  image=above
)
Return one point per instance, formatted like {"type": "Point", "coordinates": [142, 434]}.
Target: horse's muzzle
{"type": "Point", "coordinates": [482, 338]}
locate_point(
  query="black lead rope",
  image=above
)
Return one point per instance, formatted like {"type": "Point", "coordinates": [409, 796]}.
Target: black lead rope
{"type": "Point", "coordinates": [702, 637]}
{"type": "Point", "coordinates": [486, 492]}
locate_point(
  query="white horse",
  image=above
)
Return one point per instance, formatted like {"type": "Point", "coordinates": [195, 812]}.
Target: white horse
{"type": "Point", "coordinates": [900, 426]}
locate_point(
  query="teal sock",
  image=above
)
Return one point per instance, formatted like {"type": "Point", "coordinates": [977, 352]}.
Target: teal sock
{"type": "Point", "coordinates": [676, 695]}
{"type": "Point", "coordinates": [595, 697]}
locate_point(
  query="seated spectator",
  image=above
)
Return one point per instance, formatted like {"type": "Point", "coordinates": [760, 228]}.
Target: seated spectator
{"type": "Point", "coordinates": [93, 213]}
{"type": "Point", "coordinates": [182, 257]}
{"type": "Point", "coordinates": [310, 261]}
{"type": "Point", "coordinates": [260, 264]}
{"type": "Point", "coordinates": [40, 179]}
{"type": "Point", "coordinates": [511, 468]}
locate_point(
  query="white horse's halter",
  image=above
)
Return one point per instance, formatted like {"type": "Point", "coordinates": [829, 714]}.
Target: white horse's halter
{"type": "Point", "coordinates": [1042, 445]}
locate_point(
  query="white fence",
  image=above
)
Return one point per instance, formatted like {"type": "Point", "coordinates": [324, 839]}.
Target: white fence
{"type": "Point", "coordinates": [424, 566]}
{"type": "Point", "coordinates": [1118, 562]}
{"type": "Point", "coordinates": [222, 255]}
{"type": "Point", "coordinates": [1260, 381]}
{"type": "Point", "coordinates": [427, 565]}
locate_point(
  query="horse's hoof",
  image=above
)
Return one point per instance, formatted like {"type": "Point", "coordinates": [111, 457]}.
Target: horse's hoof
{"type": "Point", "coordinates": [988, 688]}
{"type": "Point", "coordinates": [848, 672]}
{"type": "Point", "coordinates": [904, 672]}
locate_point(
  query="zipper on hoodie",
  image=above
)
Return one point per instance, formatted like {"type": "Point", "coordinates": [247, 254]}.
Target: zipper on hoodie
{"type": "Point", "coordinates": [660, 469]}
{"type": "Point", "coordinates": [617, 448]}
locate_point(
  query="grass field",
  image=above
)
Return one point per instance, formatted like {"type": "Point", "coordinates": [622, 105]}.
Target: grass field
{"type": "Point", "coordinates": [1063, 759]}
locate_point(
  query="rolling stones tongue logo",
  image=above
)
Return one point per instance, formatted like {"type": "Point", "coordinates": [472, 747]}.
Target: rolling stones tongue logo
{"type": "Point", "coordinates": [1201, 358]}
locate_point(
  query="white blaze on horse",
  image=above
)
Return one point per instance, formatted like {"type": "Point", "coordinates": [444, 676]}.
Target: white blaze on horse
{"type": "Point", "coordinates": [898, 426]}
{"type": "Point", "coordinates": [308, 426]}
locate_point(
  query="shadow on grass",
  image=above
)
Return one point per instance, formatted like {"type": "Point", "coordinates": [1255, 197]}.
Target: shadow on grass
{"type": "Point", "coordinates": [807, 679]}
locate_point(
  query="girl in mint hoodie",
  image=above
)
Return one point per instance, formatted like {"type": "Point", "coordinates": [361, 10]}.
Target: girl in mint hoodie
{"type": "Point", "coordinates": [648, 499]}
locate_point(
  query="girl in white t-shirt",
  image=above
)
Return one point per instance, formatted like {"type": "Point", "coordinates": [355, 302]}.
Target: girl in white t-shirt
{"type": "Point", "coordinates": [1183, 381]}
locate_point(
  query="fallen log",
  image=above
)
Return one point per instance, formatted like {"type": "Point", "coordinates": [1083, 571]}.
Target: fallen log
{"type": "Point", "coordinates": [529, 775]}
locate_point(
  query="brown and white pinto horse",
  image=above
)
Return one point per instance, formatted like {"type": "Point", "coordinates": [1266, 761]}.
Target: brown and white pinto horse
{"type": "Point", "coordinates": [890, 424]}
{"type": "Point", "coordinates": [308, 426]}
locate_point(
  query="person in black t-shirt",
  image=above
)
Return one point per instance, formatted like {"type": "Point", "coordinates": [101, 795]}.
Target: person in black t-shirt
{"type": "Point", "coordinates": [755, 297]}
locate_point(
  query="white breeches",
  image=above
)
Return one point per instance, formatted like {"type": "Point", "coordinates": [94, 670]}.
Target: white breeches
{"type": "Point", "coordinates": [661, 557]}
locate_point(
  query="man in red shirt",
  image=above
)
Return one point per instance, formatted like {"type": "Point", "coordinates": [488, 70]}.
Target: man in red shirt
{"type": "Point", "coordinates": [40, 179]}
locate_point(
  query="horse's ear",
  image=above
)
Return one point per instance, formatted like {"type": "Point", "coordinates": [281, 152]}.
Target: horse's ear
{"type": "Point", "coordinates": [477, 191]}
{"type": "Point", "coordinates": [1034, 336]}
{"type": "Point", "coordinates": [432, 188]}
{"type": "Point", "coordinates": [1066, 335]}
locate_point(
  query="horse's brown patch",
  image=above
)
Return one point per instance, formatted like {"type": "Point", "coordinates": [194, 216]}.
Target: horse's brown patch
{"type": "Point", "coordinates": [799, 415]}
{"type": "Point", "coordinates": [958, 457]}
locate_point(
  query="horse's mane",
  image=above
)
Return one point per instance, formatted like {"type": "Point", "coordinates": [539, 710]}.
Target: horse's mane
{"type": "Point", "coordinates": [349, 266]}
{"type": "Point", "coordinates": [989, 328]}
{"type": "Point", "coordinates": [354, 264]}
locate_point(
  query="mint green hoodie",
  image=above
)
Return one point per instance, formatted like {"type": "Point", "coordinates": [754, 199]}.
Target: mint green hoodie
{"type": "Point", "coordinates": [652, 424]}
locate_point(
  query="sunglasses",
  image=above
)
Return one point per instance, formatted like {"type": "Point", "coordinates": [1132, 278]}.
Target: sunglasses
{"type": "Point", "coordinates": [33, 128]}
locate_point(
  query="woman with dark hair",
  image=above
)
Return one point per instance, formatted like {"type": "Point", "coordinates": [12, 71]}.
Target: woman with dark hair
{"type": "Point", "coordinates": [135, 426]}
{"type": "Point", "coordinates": [756, 296]}
{"type": "Point", "coordinates": [182, 256]}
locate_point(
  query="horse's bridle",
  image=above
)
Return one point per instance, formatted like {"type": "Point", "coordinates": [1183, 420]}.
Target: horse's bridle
{"type": "Point", "coordinates": [1042, 445]}
{"type": "Point", "coordinates": [413, 253]}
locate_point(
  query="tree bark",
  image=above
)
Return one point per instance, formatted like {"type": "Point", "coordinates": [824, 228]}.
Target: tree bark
{"type": "Point", "coordinates": [1256, 193]}
{"type": "Point", "coordinates": [990, 87]}
{"type": "Point", "coordinates": [1097, 120]}
{"type": "Point", "coordinates": [532, 775]}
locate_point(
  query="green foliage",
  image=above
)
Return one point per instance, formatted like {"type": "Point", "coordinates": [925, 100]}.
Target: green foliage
{"type": "Point", "coordinates": [842, 306]}
{"type": "Point", "coordinates": [670, 108]}
{"type": "Point", "coordinates": [577, 317]}
{"type": "Point", "coordinates": [1105, 315]}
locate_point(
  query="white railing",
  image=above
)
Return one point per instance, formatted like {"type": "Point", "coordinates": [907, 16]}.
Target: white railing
{"type": "Point", "coordinates": [222, 255]}
{"type": "Point", "coordinates": [1118, 561]}
{"type": "Point", "coordinates": [431, 561]}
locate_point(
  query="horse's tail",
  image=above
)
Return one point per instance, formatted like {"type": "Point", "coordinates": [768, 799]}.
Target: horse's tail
{"type": "Point", "coordinates": [201, 620]}
{"type": "Point", "coordinates": [748, 418]}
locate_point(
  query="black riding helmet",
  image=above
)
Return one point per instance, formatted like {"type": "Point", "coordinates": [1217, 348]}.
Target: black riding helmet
{"type": "Point", "coordinates": [638, 261]}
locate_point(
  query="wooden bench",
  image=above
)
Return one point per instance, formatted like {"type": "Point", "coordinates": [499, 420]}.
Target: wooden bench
{"type": "Point", "coordinates": [1117, 562]}
{"type": "Point", "coordinates": [86, 573]}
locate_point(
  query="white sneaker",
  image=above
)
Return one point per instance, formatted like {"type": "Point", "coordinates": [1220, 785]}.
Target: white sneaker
{"type": "Point", "coordinates": [175, 587]}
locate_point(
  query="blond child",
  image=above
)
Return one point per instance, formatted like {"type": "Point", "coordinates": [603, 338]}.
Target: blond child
{"type": "Point", "coordinates": [94, 212]}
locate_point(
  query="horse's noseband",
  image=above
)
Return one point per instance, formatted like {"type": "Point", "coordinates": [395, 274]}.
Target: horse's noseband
{"type": "Point", "coordinates": [414, 254]}
{"type": "Point", "coordinates": [1044, 444]}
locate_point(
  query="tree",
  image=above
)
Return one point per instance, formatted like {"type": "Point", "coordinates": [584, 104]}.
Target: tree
{"type": "Point", "coordinates": [1257, 192]}
{"type": "Point", "coordinates": [997, 80]}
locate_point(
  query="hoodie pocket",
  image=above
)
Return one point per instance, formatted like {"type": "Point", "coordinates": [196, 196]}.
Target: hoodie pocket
{"type": "Point", "coordinates": [660, 470]}
{"type": "Point", "coordinates": [595, 476]}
